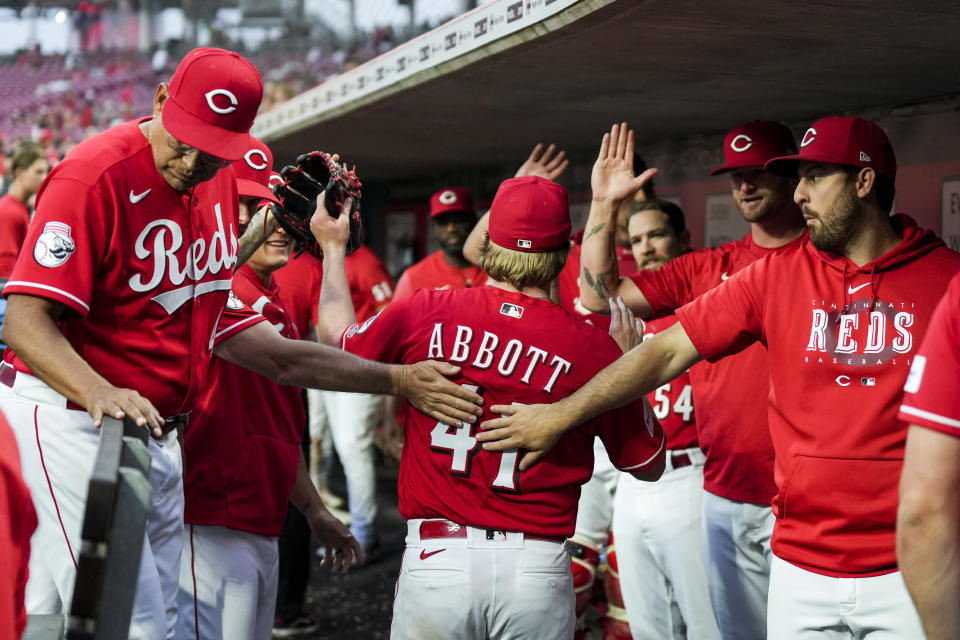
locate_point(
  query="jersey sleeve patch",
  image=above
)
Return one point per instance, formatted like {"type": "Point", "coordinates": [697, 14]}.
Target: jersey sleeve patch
{"type": "Point", "coordinates": [54, 245]}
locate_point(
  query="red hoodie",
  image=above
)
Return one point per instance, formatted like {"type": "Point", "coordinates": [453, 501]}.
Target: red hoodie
{"type": "Point", "coordinates": [841, 340]}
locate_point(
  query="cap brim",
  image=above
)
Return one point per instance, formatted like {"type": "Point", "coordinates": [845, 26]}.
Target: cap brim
{"type": "Point", "coordinates": [732, 166]}
{"type": "Point", "coordinates": [784, 166]}
{"type": "Point", "coordinates": [253, 189]}
{"type": "Point", "coordinates": [190, 130]}
{"type": "Point", "coordinates": [436, 214]}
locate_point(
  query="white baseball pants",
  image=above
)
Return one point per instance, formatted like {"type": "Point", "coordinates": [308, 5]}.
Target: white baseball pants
{"type": "Point", "coordinates": [58, 448]}
{"type": "Point", "coordinates": [595, 508]}
{"type": "Point", "coordinates": [352, 419]}
{"type": "Point", "coordinates": [737, 559]}
{"type": "Point", "coordinates": [472, 588]}
{"type": "Point", "coordinates": [808, 606]}
{"type": "Point", "coordinates": [658, 533]}
{"type": "Point", "coordinates": [228, 585]}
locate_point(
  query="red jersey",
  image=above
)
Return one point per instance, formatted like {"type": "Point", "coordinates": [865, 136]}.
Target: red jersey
{"type": "Point", "coordinates": [730, 395]}
{"type": "Point", "coordinates": [930, 398]}
{"type": "Point", "coordinates": [371, 288]}
{"type": "Point", "coordinates": [433, 272]}
{"type": "Point", "coordinates": [144, 270]}
{"type": "Point", "coordinates": [17, 524]}
{"type": "Point", "coordinates": [14, 220]}
{"type": "Point", "coordinates": [673, 402]}
{"type": "Point", "coordinates": [841, 340]}
{"type": "Point", "coordinates": [370, 285]}
{"type": "Point", "coordinates": [513, 349]}
{"type": "Point", "coordinates": [568, 282]}
{"type": "Point", "coordinates": [243, 441]}
{"type": "Point", "coordinates": [300, 280]}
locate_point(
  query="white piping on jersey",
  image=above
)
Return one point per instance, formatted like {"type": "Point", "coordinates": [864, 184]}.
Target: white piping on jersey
{"type": "Point", "coordinates": [257, 317]}
{"type": "Point", "coordinates": [21, 283]}
{"type": "Point", "coordinates": [663, 444]}
{"type": "Point", "coordinates": [920, 413]}
{"type": "Point", "coordinates": [173, 300]}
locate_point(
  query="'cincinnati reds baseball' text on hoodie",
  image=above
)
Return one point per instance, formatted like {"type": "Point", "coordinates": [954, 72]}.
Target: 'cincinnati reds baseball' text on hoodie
{"type": "Point", "coordinates": [841, 340]}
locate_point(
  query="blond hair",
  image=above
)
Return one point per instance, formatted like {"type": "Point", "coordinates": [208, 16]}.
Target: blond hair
{"type": "Point", "coordinates": [520, 268]}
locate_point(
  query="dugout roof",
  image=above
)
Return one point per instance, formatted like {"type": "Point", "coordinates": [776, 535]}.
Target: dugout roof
{"type": "Point", "coordinates": [483, 88]}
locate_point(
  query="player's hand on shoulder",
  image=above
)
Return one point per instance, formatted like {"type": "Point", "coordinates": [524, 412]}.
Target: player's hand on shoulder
{"type": "Point", "coordinates": [331, 233]}
{"type": "Point", "coordinates": [612, 179]}
{"type": "Point", "coordinates": [532, 427]}
{"type": "Point", "coordinates": [108, 400]}
{"type": "Point", "coordinates": [426, 386]}
{"type": "Point", "coordinates": [544, 163]}
{"type": "Point", "coordinates": [340, 547]}
{"type": "Point", "coordinates": [625, 328]}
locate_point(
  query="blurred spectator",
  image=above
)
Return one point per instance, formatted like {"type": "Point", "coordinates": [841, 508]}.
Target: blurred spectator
{"type": "Point", "coordinates": [29, 167]}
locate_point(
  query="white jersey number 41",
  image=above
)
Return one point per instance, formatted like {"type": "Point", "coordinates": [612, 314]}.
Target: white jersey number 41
{"type": "Point", "coordinates": [463, 446]}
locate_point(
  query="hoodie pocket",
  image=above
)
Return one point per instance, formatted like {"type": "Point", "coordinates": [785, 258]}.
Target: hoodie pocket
{"type": "Point", "coordinates": [840, 510]}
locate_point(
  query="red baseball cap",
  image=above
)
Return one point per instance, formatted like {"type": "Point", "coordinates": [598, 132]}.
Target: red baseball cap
{"type": "Point", "coordinates": [754, 143]}
{"type": "Point", "coordinates": [213, 99]}
{"type": "Point", "coordinates": [450, 199]}
{"type": "Point", "coordinates": [530, 214]}
{"type": "Point", "coordinates": [253, 172]}
{"type": "Point", "coordinates": [841, 140]}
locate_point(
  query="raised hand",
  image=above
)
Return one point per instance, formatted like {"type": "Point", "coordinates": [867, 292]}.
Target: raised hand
{"type": "Point", "coordinates": [612, 179]}
{"type": "Point", "coordinates": [625, 328]}
{"type": "Point", "coordinates": [546, 165]}
{"type": "Point", "coordinates": [331, 233]}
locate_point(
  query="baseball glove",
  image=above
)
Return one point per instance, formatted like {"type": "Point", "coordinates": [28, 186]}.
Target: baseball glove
{"type": "Point", "coordinates": [313, 173]}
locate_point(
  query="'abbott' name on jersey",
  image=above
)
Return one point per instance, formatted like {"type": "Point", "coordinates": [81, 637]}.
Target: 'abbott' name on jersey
{"type": "Point", "coordinates": [460, 345]}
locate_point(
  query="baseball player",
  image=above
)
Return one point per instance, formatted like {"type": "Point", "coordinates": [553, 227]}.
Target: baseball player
{"type": "Point", "coordinates": [351, 417]}
{"type": "Point", "coordinates": [928, 526]}
{"type": "Point", "coordinates": [119, 300]}
{"type": "Point", "coordinates": [657, 526]}
{"type": "Point", "coordinates": [18, 520]}
{"type": "Point", "coordinates": [485, 555]}
{"type": "Point", "coordinates": [451, 217]}
{"type": "Point", "coordinates": [731, 411]}
{"type": "Point", "coordinates": [29, 167]}
{"type": "Point", "coordinates": [243, 459]}
{"type": "Point", "coordinates": [841, 340]}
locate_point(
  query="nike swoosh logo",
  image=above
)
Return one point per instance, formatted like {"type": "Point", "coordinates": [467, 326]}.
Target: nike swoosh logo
{"type": "Point", "coordinates": [135, 198]}
{"type": "Point", "coordinates": [853, 289]}
{"type": "Point", "coordinates": [724, 276]}
{"type": "Point", "coordinates": [424, 555]}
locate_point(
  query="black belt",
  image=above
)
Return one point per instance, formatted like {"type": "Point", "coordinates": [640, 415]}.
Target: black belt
{"type": "Point", "coordinates": [8, 375]}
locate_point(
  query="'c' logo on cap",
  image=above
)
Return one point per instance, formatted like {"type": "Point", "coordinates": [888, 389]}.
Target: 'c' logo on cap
{"type": "Point", "coordinates": [741, 143]}
{"type": "Point", "coordinates": [808, 137]}
{"type": "Point", "coordinates": [221, 92]}
{"type": "Point", "coordinates": [447, 197]}
{"type": "Point", "coordinates": [275, 178]}
{"type": "Point", "coordinates": [248, 156]}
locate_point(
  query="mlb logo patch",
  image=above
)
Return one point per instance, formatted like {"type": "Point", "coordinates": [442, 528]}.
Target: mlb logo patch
{"type": "Point", "coordinates": [511, 310]}
{"type": "Point", "coordinates": [524, 244]}
{"type": "Point", "coordinates": [868, 382]}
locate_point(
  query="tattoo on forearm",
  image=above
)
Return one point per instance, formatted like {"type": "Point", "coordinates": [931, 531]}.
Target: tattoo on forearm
{"type": "Point", "coordinates": [255, 235]}
{"type": "Point", "coordinates": [599, 285]}
{"type": "Point", "coordinates": [597, 229]}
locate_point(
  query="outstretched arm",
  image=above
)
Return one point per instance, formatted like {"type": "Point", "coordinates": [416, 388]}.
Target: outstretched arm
{"type": "Point", "coordinates": [537, 427]}
{"type": "Point", "coordinates": [611, 182]}
{"type": "Point", "coordinates": [928, 529]}
{"type": "Point", "coordinates": [308, 364]}
{"type": "Point", "coordinates": [336, 311]}
{"type": "Point", "coordinates": [540, 163]}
